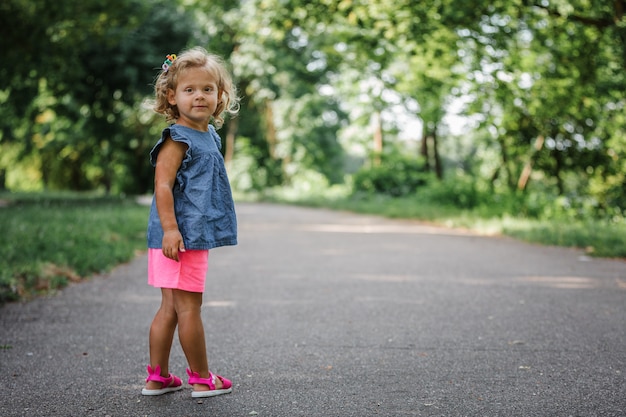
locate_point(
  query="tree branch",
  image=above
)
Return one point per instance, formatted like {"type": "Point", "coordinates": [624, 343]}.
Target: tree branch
{"type": "Point", "coordinates": [600, 23]}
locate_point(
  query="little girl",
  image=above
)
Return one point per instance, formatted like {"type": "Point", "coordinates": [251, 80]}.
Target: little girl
{"type": "Point", "coordinates": [192, 212]}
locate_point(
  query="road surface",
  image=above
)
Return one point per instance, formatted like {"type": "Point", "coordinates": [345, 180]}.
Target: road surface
{"type": "Point", "coordinates": [322, 313]}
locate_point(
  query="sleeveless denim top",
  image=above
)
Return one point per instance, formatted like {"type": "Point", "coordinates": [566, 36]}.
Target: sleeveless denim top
{"type": "Point", "coordinates": [203, 201]}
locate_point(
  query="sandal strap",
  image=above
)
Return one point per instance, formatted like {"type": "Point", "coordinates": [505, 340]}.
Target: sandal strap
{"type": "Point", "coordinates": [194, 378]}
{"type": "Point", "coordinates": [226, 383]}
{"type": "Point", "coordinates": [155, 376]}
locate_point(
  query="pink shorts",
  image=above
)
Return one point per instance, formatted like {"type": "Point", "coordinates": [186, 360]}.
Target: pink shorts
{"type": "Point", "coordinates": [189, 274]}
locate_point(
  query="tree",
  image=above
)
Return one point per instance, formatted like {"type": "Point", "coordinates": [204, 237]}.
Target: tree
{"type": "Point", "coordinates": [274, 58]}
{"type": "Point", "coordinates": [545, 99]}
{"type": "Point", "coordinates": [92, 63]}
{"type": "Point", "coordinates": [544, 80]}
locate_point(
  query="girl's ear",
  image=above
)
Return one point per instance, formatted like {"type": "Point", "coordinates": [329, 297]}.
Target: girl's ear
{"type": "Point", "coordinates": [171, 96]}
{"type": "Point", "coordinates": [220, 104]}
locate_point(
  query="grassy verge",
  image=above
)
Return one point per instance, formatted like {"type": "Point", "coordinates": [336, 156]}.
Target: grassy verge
{"type": "Point", "coordinates": [50, 240]}
{"type": "Point", "coordinates": [599, 238]}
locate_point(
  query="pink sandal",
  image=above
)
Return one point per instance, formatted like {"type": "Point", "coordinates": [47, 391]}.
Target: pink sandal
{"type": "Point", "coordinates": [194, 378]}
{"type": "Point", "coordinates": [169, 384]}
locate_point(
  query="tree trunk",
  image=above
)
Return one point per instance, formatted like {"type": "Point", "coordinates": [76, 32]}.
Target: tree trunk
{"type": "Point", "coordinates": [378, 137]}
{"type": "Point", "coordinates": [558, 157]}
{"type": "Point", "coordinates": [231, 133]}
{"type": "Point", "coordinates": [424, 151]}
{"type": "Point", "coordinates": [429, 150]}
{"type": "Point", "coordinates": [525, 175]}
{"type": "Point", "coordinates": [436, 158]}
{"type": "Point", "coordinates": [505, 162]}
{"type": "Point", "coordinates": [270, 130]}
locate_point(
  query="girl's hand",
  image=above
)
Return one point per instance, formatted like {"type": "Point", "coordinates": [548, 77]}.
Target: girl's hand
{"type": "Point", "coordinates": [172, 244]}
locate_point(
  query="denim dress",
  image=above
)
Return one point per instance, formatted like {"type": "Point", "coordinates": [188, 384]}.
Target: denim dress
{"type": "Point", "coordinates": [203, 201]}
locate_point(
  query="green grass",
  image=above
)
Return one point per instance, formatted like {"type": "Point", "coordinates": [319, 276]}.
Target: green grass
{"type": "Point", "coordinates": [50, 240]}
{"type": "Point", "coordinates": [599, 238]}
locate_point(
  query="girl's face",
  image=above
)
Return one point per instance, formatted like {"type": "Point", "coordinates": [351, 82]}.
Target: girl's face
{"type": "Point", "coordinates": [196, 96]}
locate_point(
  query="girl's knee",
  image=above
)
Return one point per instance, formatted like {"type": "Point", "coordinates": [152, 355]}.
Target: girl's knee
{"type": "Point", "coordinates": [185, 301]}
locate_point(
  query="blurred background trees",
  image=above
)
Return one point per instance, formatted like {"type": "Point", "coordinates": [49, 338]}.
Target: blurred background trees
{"type": "Point", "coordinates": [523, 98]}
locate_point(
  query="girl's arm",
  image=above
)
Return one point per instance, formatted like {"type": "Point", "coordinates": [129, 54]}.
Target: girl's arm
{"type": "Point", "coordinates": [168, 161]}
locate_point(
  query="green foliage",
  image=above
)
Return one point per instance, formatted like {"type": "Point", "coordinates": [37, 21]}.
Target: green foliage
{"type": "Point", "coordinates": [530, 84]}
{"type": "Point", "coordinates": [49, 240]}
{"type": "Point", "coordinates": [319, 79]}
{"type": "Point", "coordinates": [70, 105]}
{"type": "Point", "coordinates": [244, 172]}
{"type": "Point", "coordinates": [460, 191]}
{"type": "Point", "coordinates": [598, 238]}
{"type": "Point", "coordinates": [394, 175]}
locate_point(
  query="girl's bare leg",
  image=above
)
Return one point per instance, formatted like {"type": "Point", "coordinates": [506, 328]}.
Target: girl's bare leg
{"type": "Point", "coordinates": [191, 334]}
{"type": "Point", "coordinates": [161, 335]}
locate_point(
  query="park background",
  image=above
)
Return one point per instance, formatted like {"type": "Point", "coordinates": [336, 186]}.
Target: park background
{"type": "Point", "coordinates": [506, 117]}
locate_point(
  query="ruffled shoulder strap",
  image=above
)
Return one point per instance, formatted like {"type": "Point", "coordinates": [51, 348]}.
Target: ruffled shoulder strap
{"type": "Point", "coordinates": [174, 133]}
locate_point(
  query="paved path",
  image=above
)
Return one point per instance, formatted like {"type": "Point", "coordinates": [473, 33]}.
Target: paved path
{"type": "Point", "coordinates": [318, 313]}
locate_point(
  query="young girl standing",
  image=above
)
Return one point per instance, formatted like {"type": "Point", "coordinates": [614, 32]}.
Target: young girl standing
{"type": "Point", "coordinates": [192, 211]}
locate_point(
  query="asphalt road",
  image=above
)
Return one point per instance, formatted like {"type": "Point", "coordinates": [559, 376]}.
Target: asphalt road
{"type": "Point", "coordinates": [319, 313]}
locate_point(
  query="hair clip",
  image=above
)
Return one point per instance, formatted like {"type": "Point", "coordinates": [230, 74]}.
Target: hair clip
{"type": "Point", "coordinates": [168, 61]}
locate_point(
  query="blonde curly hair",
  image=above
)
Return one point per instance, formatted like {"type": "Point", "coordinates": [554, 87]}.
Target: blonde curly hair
{"type": "Point", "coordinates": [196, 58]}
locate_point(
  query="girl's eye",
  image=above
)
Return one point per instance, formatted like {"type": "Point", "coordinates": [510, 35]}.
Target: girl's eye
{"type": "Point", "coordinates": [188, 90]}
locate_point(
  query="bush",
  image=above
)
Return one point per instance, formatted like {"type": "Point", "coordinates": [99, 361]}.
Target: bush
{"type": "Point", "coordinates": [396, 175]}
{"type": "Point", "coordinates": [458, 191]}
